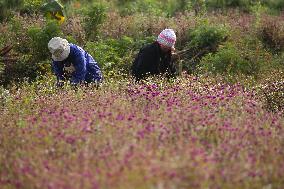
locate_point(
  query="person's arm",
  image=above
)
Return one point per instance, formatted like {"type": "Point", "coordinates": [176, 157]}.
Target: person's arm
{"type": "Point", "coordinates": [57, 68]}
{"type": "Point", "coordinates": [79, 62]}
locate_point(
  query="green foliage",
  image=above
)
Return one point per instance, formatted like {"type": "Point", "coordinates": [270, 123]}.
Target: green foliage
{"type": "Point", "coordinates": [94, 17]}
{"type": "Point", "coordinates": [245, 5]}
{"type": "Point", "coordinates": [277, 5]}
{"type": "Point", "coordinates": [115, 55]}
{"type": "Point", "coordinates": [207, 35]}
{"type": "Point", "coordinates": [24, 69]}
{"type": "Point", "coordinates": [223, 4]}
{"type": "Point", "coordinates": [6, 6]}
{"type": "Point", "coordinates": [199, 6]}
{"type": "Point", "coordinates": [230, 61]}
{"type": "Point", "coordinates": [204, 39]}
{"type": "Point", "coordinates": [31, 6]}
{"type": "Point", "coordinates": [39, 38]}
{"type": "Point", "coordinates": [33, 52]}
{"type": "Point", "coordinates": [131, 7]}
{"type": "Point", "coordinates": [111, 54]}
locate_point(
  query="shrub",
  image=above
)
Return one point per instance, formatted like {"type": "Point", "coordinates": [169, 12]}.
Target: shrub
{"type": "Point", "coordinates": [39, 38]}
{"type": "Point", "coordinates": [31, 53]}
{"type": "Point", "coordinates": [6, 6]}
{"type": "Point", "coordinates": [115, 55]}
{"type": "Point", "coordinates": [111, 53]}
{"type": "Point", "coordinates": [241, 4]}
{"type": "Point", "coordinates": [277, 5]}
{"type": "Point", "coordinates": [31, 6]}
{"type": "Point", "coordinates": [229, 61]}
{"type": "Point", "coordinates": [203, 39]}
{"type": "Point", "coordinates": [94, 17]}
{"type": "Point", "coordinates": [147, 6]}
{"type": "Point", "coordinates": [207, 35]}
{"type": "Point", "coordinates": [271, 33]}
{"type": "Point", "coordinates": [24, 69]}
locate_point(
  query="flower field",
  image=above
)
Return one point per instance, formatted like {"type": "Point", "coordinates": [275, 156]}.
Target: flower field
{"type": "Point", "coordinates": [187, 133]}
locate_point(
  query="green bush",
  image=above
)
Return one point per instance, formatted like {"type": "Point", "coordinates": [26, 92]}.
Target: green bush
{"type": "Point", "coordinates": [32, 52]}
{"type": "Point", "coordinates": [32, 6]}
{"type": "Point", "coordinates": [152, 7]}
{"type": "Point", "coordinates": [39, 38]}
{"type": "Point", "coordinates": [277, 5]}
{"type": "Point", "coordinates": [111, 54]}
{"type": "Point", "coordinates": [115, 55]}
{"type": "Point", "coordinates": [207, 35]}
{"type": "Point", "coordinates": [224, 4]}
{"type": "Point", "coordinates": [203, 39]}
{"type": "Point", "coordinates": [230, 61]}
{"type": "Point", "coordinates": [245, 5]}
{"type": "Point", "coordinates": [94, 17]}
{"type": "Point", "coordinates": [24, 69]}
{"type": "Point", "coordinates": [6, 6]}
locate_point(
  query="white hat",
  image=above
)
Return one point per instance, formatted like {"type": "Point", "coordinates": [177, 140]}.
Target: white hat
{"type": "Point", "coordinates": [59, 48]}
{"type": "Point", "coordinates": [167, 38]}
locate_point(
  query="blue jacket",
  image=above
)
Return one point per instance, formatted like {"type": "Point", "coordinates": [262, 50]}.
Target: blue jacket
{"type": "Point", "coordinates": [78, 67]}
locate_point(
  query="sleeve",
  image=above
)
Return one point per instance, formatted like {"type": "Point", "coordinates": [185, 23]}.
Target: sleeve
{"type": "Point", "coordinates": [57, 69]}
{"type": "Point", "coordinates": [79, 63]}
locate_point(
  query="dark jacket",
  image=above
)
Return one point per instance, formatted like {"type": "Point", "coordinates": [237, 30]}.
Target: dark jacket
{"type": "Point", "coordinates": [78, 67]}
{"type": "Point", "coordinates": [151, 60]}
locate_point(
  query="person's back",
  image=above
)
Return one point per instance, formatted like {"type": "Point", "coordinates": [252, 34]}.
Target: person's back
{"type": "Point", "coordinates": [156, 58]}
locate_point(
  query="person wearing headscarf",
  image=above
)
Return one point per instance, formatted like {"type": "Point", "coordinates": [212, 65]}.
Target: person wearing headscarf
{"type": "Point", "coordinates": [156, 58]}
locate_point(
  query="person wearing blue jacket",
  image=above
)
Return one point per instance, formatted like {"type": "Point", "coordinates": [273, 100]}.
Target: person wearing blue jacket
{"type": "Point", "coordinates": [71, 62]}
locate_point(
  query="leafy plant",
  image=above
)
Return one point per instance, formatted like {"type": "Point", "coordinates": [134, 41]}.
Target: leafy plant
{"type": "Point", "coordinates": [31, 6]}
{"type": "Point", "coordinates": [229, 61]}
{"type": "Point", "coordinates": [94, 17]}
{"type": "Point", "coordinates": [271, 33]}
{"type": "Point", "coordinates": [24, 69]}
{"type": "Point", "coordinates": [203, 39]}
{"type": "Point", "coordinates": [39, 38]}
{"type": "Point", "coordinates": [6, 6]}
{"type": "Point", "coordinates": [152, 7]}
{"type": "Point", "coordinates": [207, 35]}
{"type": "Point", "coordinates": [115, 55]}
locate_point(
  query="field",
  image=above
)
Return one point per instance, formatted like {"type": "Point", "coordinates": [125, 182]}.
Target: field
{"type": "Point", "coordinates": [219, 124]}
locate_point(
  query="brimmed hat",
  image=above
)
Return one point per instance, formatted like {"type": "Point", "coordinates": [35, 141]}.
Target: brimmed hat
{"type": "Point", "coordinates": [167, 38]}
{"type": "Point", "coordinates": [59, 48]}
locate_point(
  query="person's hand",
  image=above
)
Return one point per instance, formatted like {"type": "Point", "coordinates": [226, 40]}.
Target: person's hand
{"type": "Point", "coordinates": [174, 54]}
{"type": "Point", "coordinates": [173, 50]}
